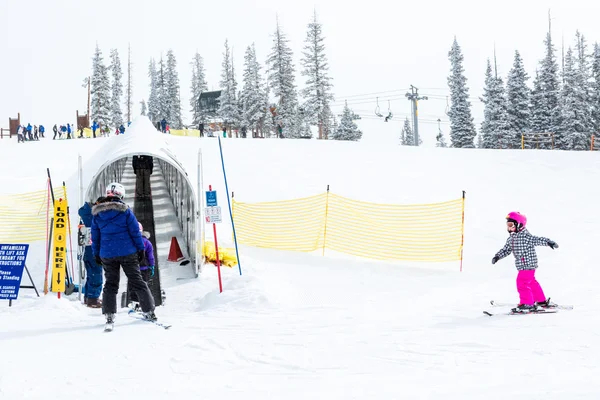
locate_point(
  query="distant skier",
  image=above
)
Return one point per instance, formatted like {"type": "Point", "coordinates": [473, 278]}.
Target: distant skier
{"type": "Point", "coordinates": [522, 244]}
{"type": "Point", "coordinates": [117, 242]}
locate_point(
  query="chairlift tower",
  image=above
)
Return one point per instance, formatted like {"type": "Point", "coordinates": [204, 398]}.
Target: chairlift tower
{"type": "Point", "coordinates": [414, 97]}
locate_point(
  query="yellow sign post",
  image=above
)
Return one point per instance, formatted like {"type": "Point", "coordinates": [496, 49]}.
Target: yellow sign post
{"type": "Point", "coordinates": [59, 257]}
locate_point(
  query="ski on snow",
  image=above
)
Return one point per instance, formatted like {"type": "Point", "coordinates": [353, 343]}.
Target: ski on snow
{"type": "Point", "coordinates": [557, 306]}
{"type": "Point", "coordinates": [138, 315]}
{"type": "Point", "coordinates": [540, 311]}
{"type": "Point", "coordinates": [549, 310]}
{"type": "Point", "coordinates": [108, 327]}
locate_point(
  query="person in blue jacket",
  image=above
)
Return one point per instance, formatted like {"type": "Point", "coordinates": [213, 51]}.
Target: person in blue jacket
{"type": "Point", "coordinates": [117, 243]}
{"type": "Point", "coordinates": [93, 282]}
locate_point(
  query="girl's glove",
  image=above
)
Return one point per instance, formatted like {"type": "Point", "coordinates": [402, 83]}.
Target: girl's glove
{"type": "Point", "coordinates": [552, 244]}
{"type": "Point", "coordinates": [152, 270]}
{"type": "Point", "coordinates": [495, 259]}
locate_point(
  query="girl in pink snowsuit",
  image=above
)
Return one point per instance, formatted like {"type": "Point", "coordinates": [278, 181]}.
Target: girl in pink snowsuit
{"type": "Point", "coordinates": [522, 244]}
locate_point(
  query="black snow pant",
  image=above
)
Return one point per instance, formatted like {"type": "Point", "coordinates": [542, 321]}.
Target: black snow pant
{"type": "Point", "coordinates": [112, 275]}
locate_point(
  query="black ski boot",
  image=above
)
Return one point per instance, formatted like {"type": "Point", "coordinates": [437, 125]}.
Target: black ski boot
{"type": "Point", "coordinates": [149, 315]}
{"type": "Point", "coordinates": [524, 308]}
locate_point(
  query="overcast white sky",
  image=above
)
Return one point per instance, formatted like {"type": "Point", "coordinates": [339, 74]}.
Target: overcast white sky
{"type": "Point", "coordinates": [373, 46]}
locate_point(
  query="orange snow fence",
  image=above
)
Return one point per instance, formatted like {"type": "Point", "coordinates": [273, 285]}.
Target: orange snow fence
{"type": "Point", "coordinates": [412, 232]}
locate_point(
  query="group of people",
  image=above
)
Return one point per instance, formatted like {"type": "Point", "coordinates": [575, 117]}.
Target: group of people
{"type": "Point", "coordinates": [117, 241]}
{"type": "Point", "coordinates": [28, 133]}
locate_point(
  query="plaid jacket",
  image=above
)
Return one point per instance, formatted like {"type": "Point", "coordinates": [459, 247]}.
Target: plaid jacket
{"type": "Point", "coordinates": [522, 245]}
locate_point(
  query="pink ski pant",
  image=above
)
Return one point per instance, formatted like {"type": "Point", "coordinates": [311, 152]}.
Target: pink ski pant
{"type": "Point", "coordinates": [529, 289]}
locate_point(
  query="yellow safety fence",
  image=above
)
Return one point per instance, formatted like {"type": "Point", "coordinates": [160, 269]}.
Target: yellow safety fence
{"type": "Point", "coordinates": [23, 217]}
{"type": "Point", "coordinates": [418, 232]}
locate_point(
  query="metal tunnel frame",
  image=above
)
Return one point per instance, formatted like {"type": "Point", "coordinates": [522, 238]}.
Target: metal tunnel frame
{"type": "Point", "coordinates": [142, 138]}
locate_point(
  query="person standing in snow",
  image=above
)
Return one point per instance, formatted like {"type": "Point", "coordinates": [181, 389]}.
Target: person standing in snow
{"type": "Point", "coordinates": [117, 243]}
{"type": "Point", "coordinates": [146, 265]}
{"type": "Point", "coordinates": [522, 244]}
{"type": "Point", "coordinates": [93, 282]}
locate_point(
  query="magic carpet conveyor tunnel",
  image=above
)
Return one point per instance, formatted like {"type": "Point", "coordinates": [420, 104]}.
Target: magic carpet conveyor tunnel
{"type": "Point", "coordinates": [160, 192]}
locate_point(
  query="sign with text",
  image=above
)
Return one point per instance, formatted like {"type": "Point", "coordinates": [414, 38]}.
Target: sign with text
{"type": "Point", "coordinates": [211, 198]}
{"type": "Point", "coordinates": [213, 215]}
{"type": "Point", "coordinates": [59, 253]}
{"type": "Point", "coordinates": [12, 264]}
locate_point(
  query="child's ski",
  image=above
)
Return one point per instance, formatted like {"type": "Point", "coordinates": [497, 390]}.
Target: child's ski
{"type": "Point", "coordinates": [552, 306]}
{"type": "Point", "coordinates": [539, 311]}
{"type": "Point", "coordinates": [139, 316]}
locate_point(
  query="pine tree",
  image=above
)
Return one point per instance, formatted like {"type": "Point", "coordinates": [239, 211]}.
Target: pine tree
{"type": "Point", "coordinates": [267, 120]}
{"type": "Point", "coordinates": [494, 128]}
{"type": "Point", "coordinates": [228, 105]}
{"type": "Point", "coordinates": [407, 137]}
{"type": "Point", "coordinates": [318, 90]}
{"type": "Point", "coordinates": [347, 129]}
{"type": "Point", "coordinates": [584, 84]}
{"type": "Point", "coordinates": [595, 93]}
{"type": "Point", "coordinates": [164, 101]}
{"type": "Point", "coordinates": [462, 129]}
{"type": "Point", "coordinates": [252, 97]}
{"type": "Point", "coordinates": [129, 92]}
{"type": "Point", "coordinates": [549, 84]}
{"type": "Point", "coordinates": [281, 80]}
{"type": "Point", "coordinates": [143, 107]}
{"type": "Point", "coordinates": [518, 102]}
{"type": "Point", "coordinates": [100, 91]}
{"type": "Point", "coordinates": [199, 86]}
{"type": "Point", "coordinates": [573, 129]}
{"type": "Point", "coordinates": [153, 101]}
{"type": "Point", "coordinates": [537, 106]}
{"type": "Point", "coordinates": [117, 88]}
{"type": "Point", "coordinates": [173, 93]}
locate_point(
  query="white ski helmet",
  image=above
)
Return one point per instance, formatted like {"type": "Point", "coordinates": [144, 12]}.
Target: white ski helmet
{"type": "Point", "coordinates": [115, 189]}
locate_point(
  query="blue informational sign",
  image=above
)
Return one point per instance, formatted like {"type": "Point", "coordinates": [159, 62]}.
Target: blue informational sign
{"type": "Point", "coordinates": [12, 264]}
{"type": "Point", "coordinates": [211, 198]}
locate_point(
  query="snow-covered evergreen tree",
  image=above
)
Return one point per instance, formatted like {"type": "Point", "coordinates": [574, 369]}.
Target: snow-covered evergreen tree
{"type": "Point", "coordinates": [494, 128]}
{"type": "Point", "coordinates": [536, 108]}
{"type": "Point", "coordinates": [549, 84]}
{"type": "Point", "coordinates": [116, 113]}
{"type": "Point", "coordinates": [100, 91]}
{"type": "Point", "coordinates": [595, 92]}
{"type": "Point", "coordinates": [573, 129]}
{"type": "Point", "coordinates": [462, 128]}
{"type": "Point", "coordinates": [407, 137]}
{"type": "Point", "coordinates": [267, 124]}
{"type": "Point", "coordinates": [153, 100]}
{"type": "Point", "coordinates": [164, 101]}
{"type": "Point", "coordinates": [129, 90]}
{"type": "Point", "coordinates": [518, 102]}
{"type": "Point", "coordinates": [228, 105]}
{"type": "Point", "coordinates": [347, 129]}
{"type": "Point", "coordinates": [282, 81]}
{"type": "Point", "coordinates": [584, 83]}
{"type": "Point", "coordinates": [173, 92]}
{"type": "Point", "coordinates": [199, 85]}
{"type": "Point", "coordinates": [328, 127]}
{"type": "Point", "coordinates": [318, 90]}
{"type": "Point", "coordinates": [143, 107]}
{"type": "Point", "coordinates": [252, 97]}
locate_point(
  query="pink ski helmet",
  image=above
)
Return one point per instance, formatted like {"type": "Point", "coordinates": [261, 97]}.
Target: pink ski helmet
{"type": "Point", "coordinates": [140, 226]}
{"type": "Point", "coordinates": [518, 219]}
